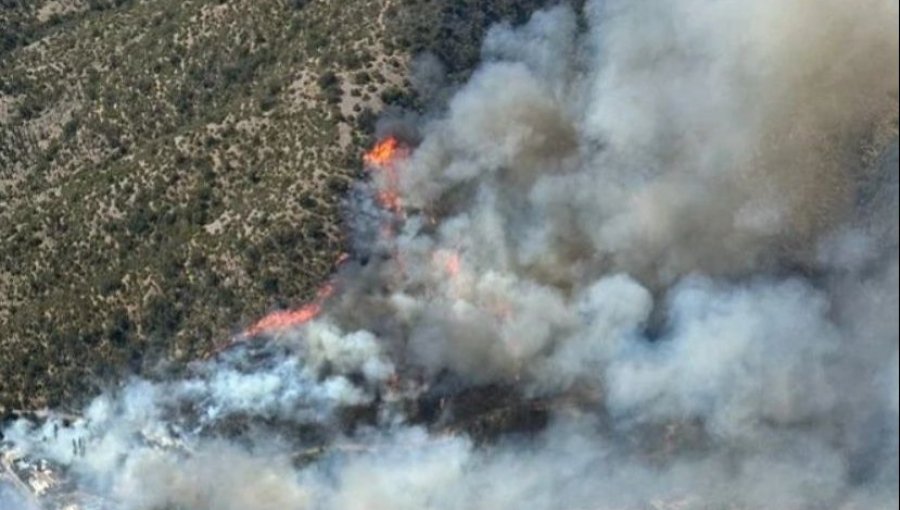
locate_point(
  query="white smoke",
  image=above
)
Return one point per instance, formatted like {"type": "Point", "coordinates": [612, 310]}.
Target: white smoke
{"type": "Point", "coordinates": [657, 223]}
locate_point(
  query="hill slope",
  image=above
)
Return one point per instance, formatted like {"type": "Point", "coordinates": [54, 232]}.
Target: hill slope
{"type": "Point", "coordinates": [171, 170]}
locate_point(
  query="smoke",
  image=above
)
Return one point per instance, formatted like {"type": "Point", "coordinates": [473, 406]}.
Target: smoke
{"type": "Point", "coordinates": [671, 227]}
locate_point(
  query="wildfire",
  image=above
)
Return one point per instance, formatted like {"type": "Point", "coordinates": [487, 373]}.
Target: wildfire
{"type": "Point", "coordinates": [285, 319]}
{"type": "Point", "coordinates": [382, 159]}
{"type": "Point", "coordinates": [384, 153]}
{"type": "Point", "coordinates": [448, 263]}
{"type": "Point", "coordinates": [449, 260]}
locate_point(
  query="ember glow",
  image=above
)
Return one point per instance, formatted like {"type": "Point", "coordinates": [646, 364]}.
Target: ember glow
{"type": "Point", "coordinates": [382, 160]}
{"type": "Point", "coordinates": [449, 261]}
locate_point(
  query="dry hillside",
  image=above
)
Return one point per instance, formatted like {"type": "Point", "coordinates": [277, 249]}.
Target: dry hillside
{"type": "Point", "coordinates": [172, 169]}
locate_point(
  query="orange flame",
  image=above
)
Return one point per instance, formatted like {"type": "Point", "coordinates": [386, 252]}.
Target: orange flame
{"type": "Point", "coordinates": [284, 319]}
{"type": "Point", "coordinates": [449, 260]}
{"type": "Point", "coordinates": [382, 159]}
{"type": "Point", "coordinates": [384, 153]}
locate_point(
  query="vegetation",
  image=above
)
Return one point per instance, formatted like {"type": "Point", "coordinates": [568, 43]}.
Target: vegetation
{"type": "Point", "coordinates": [172, 169]}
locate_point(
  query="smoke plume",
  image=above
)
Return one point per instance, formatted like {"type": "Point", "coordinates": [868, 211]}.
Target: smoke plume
{"type": "Point", "coordinates": [670, 226]}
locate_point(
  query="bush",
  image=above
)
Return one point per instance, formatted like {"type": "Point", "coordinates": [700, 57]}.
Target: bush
{"type": "Point", "coordinates": [139, 221]}
{"type": "Point", "coordinates": [70, 128]}
{"type": "Point", "coordinates": [161, 316]}
{"type": "Point", "coordinates": [361, 78]}
{"type": "Point", "coordinates": [267, 102]}
{"type": "Point", "coordinates": [109, 283]}
{"type": "Point", "coordinates": [366, 120]}
{"type": "Point", "coordinates": [328, 80]}
{"type": "Point", "coordinates": [119, 328]}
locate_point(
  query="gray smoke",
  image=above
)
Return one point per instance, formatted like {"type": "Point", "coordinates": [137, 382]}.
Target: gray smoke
{"type": "Point", "coordinates": [675, 225]}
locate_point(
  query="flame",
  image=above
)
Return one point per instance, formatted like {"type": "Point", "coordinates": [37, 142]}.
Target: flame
{"type": "Point", "coordinates": [449, 261]}
{"type": "Point", "coordinates": [382, 159]}
{"type": "Point", "coordinates": [463, 285]}
{"type": "Point", "coordinates": [384, 152]}
{"type": "Point", "coordinates": [451, 265]}
{"type": "Point", "coordinates": [284, 319]}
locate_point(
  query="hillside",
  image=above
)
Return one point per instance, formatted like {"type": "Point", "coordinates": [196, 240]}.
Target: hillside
{"type": "Point", "coordinates": [171, 170]}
